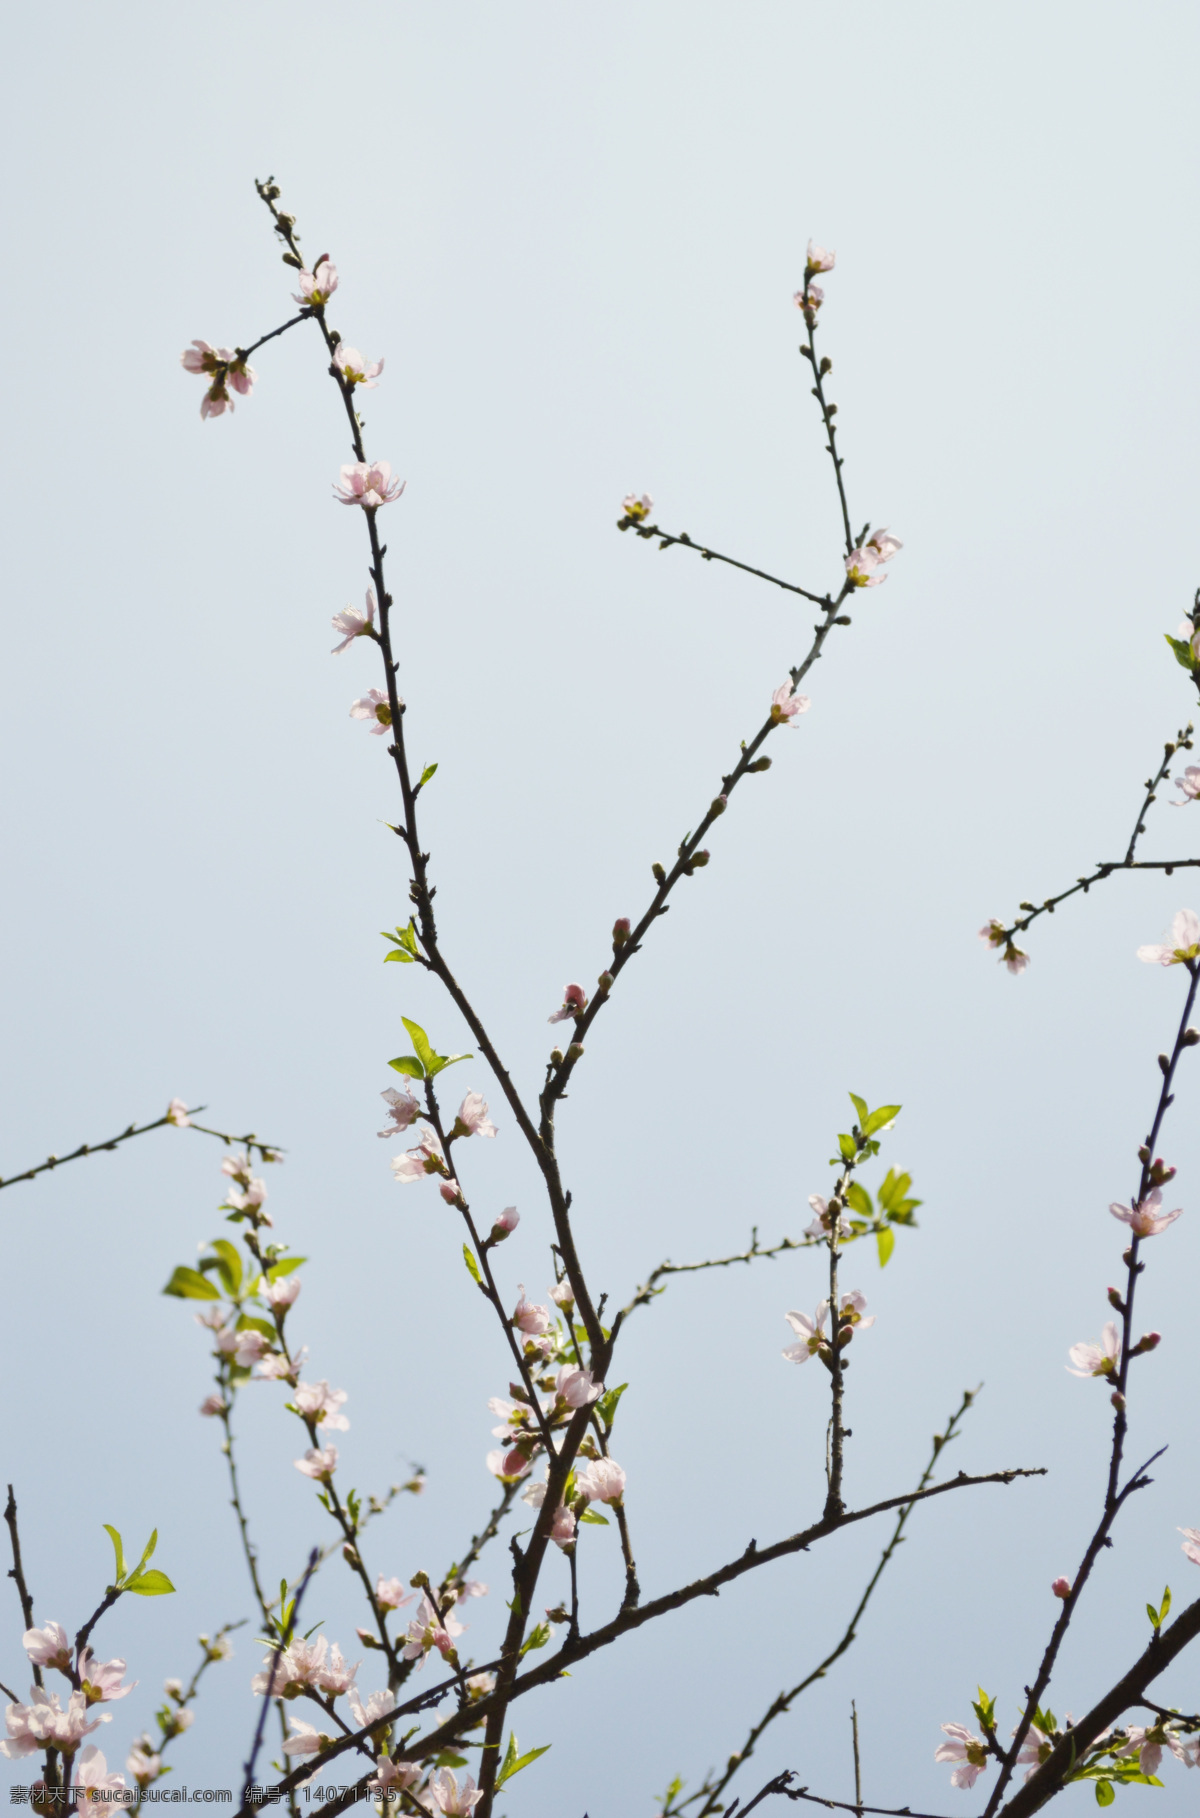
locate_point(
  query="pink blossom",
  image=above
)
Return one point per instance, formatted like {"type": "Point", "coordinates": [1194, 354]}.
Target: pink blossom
{"type": "Point", "coordinates": [970, 1750]}
{"type": "Point", "coordinates": [177, 1114]}
{"type": "Point", "coordinates": [506, 1224]}
{"type": "Point", "coordinates": [576, 1388]}
{"type": "Point", "coordinates": [1061, 1588]}
{"type": "Point", "coordinates": [1144, 1218]}
{"type": "Point", "coordinates": [426, 1158]}
{"type": "Point", "coordinates": [1097, 1360]}
{"type": "Point", "coordinates": [242, 378]}
{"type": "Point", "coordinates": [319, 1463]}
{"type": "Point", "coordinates": [283, 1292]}
{"type": "Point", "coordinates": [317, 1402]}
{"type": "Point", "coordinates": [530, 1317]}
{"type": "Point", "coordinates": [298, 1667]}
{"type": "Point", "coordinates": [251, 1199]}
{"type": "Point", "coordinates": [1034, 1750]}
{"type": "Point", "coordinates": [993, 935]}
{"type": "Point", "coordinates": [861, 564]}
{"type": "Point", "coordinates": [427, 1630]}
{"type": "Point", "coordinates": [403, 1108]}
{"type": "Point", "coordinates": [49, 1647]}
{"type": "Point", "coordinates": [1187, 1751]}
{"type": "Point", "coordinates": [316, 287]}
{"type": "Point", "coordinates": [853, 1309]}
{"type": "Point", "coordinates": [821, 1223]}
{"type": "Point", "coordinates": [469, 1587]}
{"type": "Point", "coordinates": [1191, 1544]}
{"type": "Point", "coordinates": [355, 369]}
{"type": "Point", "coordinates": [100, 1681]}
{"type": "Point", "coordinates": [353, 624]}
{"type": "Point", "coordinates": [574, 1004]}
{"type": "Point", "coordinates": [179, 1721]}
{"type": "Point", "coordinates": [277, 1368]}
{"type": "Point", "coordinates": [787, 706]}
{"type": "Point", "coordinates": [810, 1333]}
{"type": "Point", "coordinates": [481, 1685]}
{"type": "Point", "coordinates": [378, 1706]}
{"type": "Point", "coordinates": [246, 1348]}
{"type": "Point", "coordinates": [637, 506]}
{"type": "Point", "coordinates": [143, 1764]}
{"type": "Point", "coordinates": [515, 1416]}
{"type": "Point", "coordinates": [393, 1775]}
{"type": "Point", "coordinates": [451, 1192]}
{"type": "Point", "coordinates": [203, 357]}
{"type": "Point", "coordinates": [238, 1168]}
{"type": "Point", "coordinates": [450, 1799]}
{"type": "Point", "coordinates": [562, 1528]}
{"type": "Point", "coordinates": [305, 1740]}
{"type": "Point", "coordinates": [472, 1119]}
{"type": "Point", "coordinates": [213, 1405]}
{"type": "Point", "coordinates": [819, 259]}
{"type": "Point", "coordinates": [92, 1783]}
{"type": "Point", "coordinates": [884, 544]}
{"type": "Point", "coordinates": [563, 1295]}
{"type": "Point", "coordinates": [1145, 1745]}
{"type": "Point", "coordinates": [508, 1466]}
{"type": "Point", "coordinates": [369, 484]}
{"type": "Point", "coordinates": [43, 1722]}
{"type": "Point", "coordinates": [809, 302]}
{"type": "Point", "coordinates": [1188, 784]}
{"type": "Point", "coordinates": [1183, 945]}
{"type": "Point", "coordinates": [601, 1480]}
{"type": "Point", "coordinates": [373, 706]}
{"type": "Point", "coordinates": [335, 1675]}
{"type": "Point", "coordinates": [390, 1594]}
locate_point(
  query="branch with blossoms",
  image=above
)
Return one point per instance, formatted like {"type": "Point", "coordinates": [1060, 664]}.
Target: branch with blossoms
{"type": "Point", "coordinates": [176, 1114]}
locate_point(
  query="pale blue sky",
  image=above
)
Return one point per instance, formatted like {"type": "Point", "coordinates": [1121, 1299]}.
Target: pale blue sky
{"type": "Point", "coordinates": [574, 234]}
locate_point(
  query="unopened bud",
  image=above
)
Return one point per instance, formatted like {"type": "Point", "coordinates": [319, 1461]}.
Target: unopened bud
{"type": "Point", "coordinates": [718, 805]}
{"type": "Point", "coordinates": [1149, 1341]}
{"type": "Point", "coordinates": [1061, 1588]}
{"type": "Point", "coordinates": [508, 1221]}
{"type": "Point", "coordinates": [621, 929]}
{"type": "Point", "coordinates": [1118, 1401]}
{"type": "Point", "coordinates": [365, 1636]}
{"type": "Point", "coordinates": [419, 1581]}
{"type": "Point", "coordinates": [350, 1555]}
{"type": "Point", "coordinates": [1164, 1063]}
{"type": "Point", "coordinates": [556, 1056]}
{"type": "Point", "coordinates": [699, 860]}
{"type": "Point", "coordinates": [660, 876]}
{"type": "Point", "coordinates": [449, 1192]}
{"type": "Point", "coordinates": [844, 1336]}
{"type": "Point", "coordinates": [1189, 1038]}
{"type": "Point", "coordinates": [1143, 1154]}
{"type": "Point", "coordinates": [605, 981]}
{"type": "Point", "coordinates": [575, 1051]}
{"type": "Point", "coordinates": [763, 763]}
{"type": "Point", "coordinates": [1115, 1301]}
{"type": "Point", "coordinates": [1160, 1173]}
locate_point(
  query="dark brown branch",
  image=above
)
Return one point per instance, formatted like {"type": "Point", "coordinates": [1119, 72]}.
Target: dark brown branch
{"type": "Point", "coordinates": [684, 541]}
{"type": "Point", "coordinates": [268, 1151]}
{"type": "Point", "coordinates": [1165, 1646]}
{"type": "Point", "coordinates": [17, 1574]}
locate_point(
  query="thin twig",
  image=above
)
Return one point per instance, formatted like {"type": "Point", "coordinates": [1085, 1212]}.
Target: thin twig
{"type": "Point", "coordinates": [17, 1574]}
{"type": "Point", "coordinates": [268, 1151]}
{"type": "Point", "coordinates": [275, 1659]}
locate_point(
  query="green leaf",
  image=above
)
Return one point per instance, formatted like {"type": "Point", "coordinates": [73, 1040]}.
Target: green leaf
{"type": "Point", "coordinates": [407, 1063]}
{"type": "Point", "coordinates": [536, 1638]}
{"type": "Point", "coordinates": [472, 1265]}
{"type": "Point", "coordinates": [229, 1262]}
{"type": "Point", "coordinates": [886, 1114]}
{"type": "Point", "coordinates": [1182, 649]}
{"type": "Point", "coordinates": [860, 1105]}
{"type": "Point", "coordinates": [420, 1042]}
{"type": "Point", "coordinates": [1104, 1792]}
{"type": "Point", "coordinates": [606, 1407]}
{"type": "Point", "coordinates": [848, 1147]}
{"type": "Point", "coordinates": [150, 1584]}
{"type": "Point", "coordinates": [147, 1553]}
{"type": "Point", "coordinates": [285, 1266]}
{"type": "Point", "coordinates": [601, 1521]}
{"type": "Point", "coordinates": [118, 1550]}
{"type": "Point", "coordinates": [513, 1763]}
{"type": "Point", "coordinates": [859, 1200]}
{"type": "Point", "coordinates": [1152, 1613]}
{"type": "Point", "coordinates": [447, 1060]}
{"type": "Point", "coordinates": [398, 953]}
{"type": "Point", "coordinates": [248, 1323]}
{"type": "Point", "coordinates": [189, 1284]}
{"type": "Point", "coordinates": [430, 770]}
{"type": "Point", "coordinates": [886, 1240]}
{"type": "Point", "coordinates": [1165, 1608]}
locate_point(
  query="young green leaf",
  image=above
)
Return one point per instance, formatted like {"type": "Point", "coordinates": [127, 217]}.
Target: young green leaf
{"type": "Point", "coordinates": [408, 1064]}
{"type": "Point", "coordinates": [860, 1105]}
{"type": "Point", "coordinates": [189, 1284]}
{"type": "Point", "coordinates": [606, 1407]}
{"type": "Point", "coordinates": [472, 1265]}
{"type": "Point", "coordinates": [430, 770]}
{"type": "Point", "coordinates": [1105, 1793]}
{"type": "Point", "coordinates": [886, 1240]}
{"type": "Point", "coordinates": [229, 1262]}
{"type": "Point", "coordinates": [848, 1147]}
{"type": "Point", "coordinates": [1182, 649]}
{"type": "Point", "coordinates": [420, 1041]}
{"type": "Point", "coordinates": [284, 1266]}
{"type": "Point", "coordinates": [601, 1521]}
{"type": "Point", "coordinates": [859, 1200]}
{"type": "Point", "coordinates": [150, 1584]}
{"type": "Point", "coordinates": [513, 1763]}
{"type": "Point", "coordinates": [118, 1549]}
{"type": "Point", "coordinates": [880, 1119]}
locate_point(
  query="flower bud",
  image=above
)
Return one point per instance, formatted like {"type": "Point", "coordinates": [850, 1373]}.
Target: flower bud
{"type": "Point", "coordinates": [556, 1056]}
{"type": "Point", "coordinates": [1061, 1588]}
{"type": "Point", "coordinates": [449, 1192]}
{"type": "Point", "coordinates": [718, 805]}
{"type": "Point", "coordinates": [1149, 1341]}
{"type": "Point", "coordinates": [844, 1336]}
{"type": "Point", "coordinates": [365, 1636]}
{"type": "Point", "coordinates": [620, 933]}
{"type": "Point", "coordinates": [660, 876]}
{"type": "Point", "coordinates": [1118, 1401]}
{"type": "Point", "coordinates": [507, 1222]}
{"type": "Point", "coordinates": [605, 981]}
{"type": "Point", "coordinates": [762, 763]}
{"type": "Point", "coordinates": [419, 1581]}
{"type": "Point", "coordinates": [699, 860]}
{"type": "Point", "coordinates": [1189, 1038]}
{"type": "Point", "coordinates": [575, 1051]}
{"type": "Point", "coordinates": [1115, 1301]}
{"type": "Point", "coordinates": [1143, 1154]}
{"type": "Point", "coordinates": [1160, 1173]}
{"type": "Point", "coordinates": [350, 1555]}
